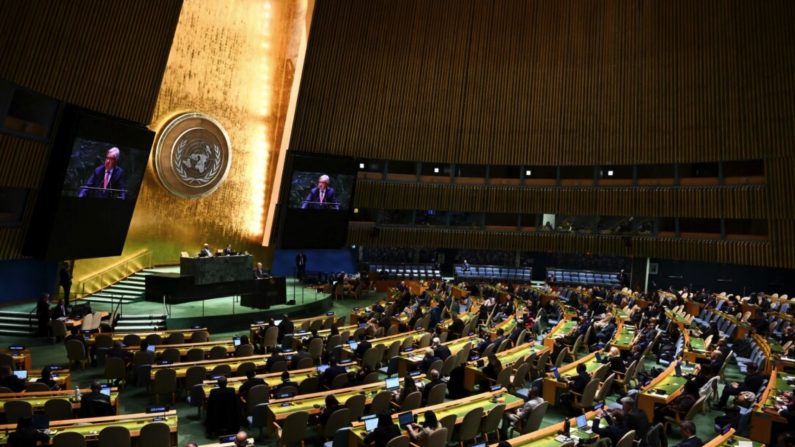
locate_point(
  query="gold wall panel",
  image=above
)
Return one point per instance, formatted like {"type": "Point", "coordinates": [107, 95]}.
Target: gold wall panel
{"type": "Point", "coordinates": [229, 60]}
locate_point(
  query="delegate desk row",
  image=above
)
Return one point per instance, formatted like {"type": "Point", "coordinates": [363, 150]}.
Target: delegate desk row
{"type": "Point", "coordinates": [90, 428]}
{"type": "Point", "coordinates": [776, 396]}
{"type": "Point", "coordinates": [37, 399]}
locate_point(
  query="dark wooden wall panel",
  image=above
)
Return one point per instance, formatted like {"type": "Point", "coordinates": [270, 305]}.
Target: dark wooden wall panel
{"type": "Point", "coordinates": [107, 56]}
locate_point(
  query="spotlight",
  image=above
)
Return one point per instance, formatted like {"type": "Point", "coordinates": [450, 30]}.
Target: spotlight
{"type": "Point", "coordinates": [356, 211]}
{"type": "Point", "coordinates": [528, 173]}
{"type": "Point", "coordinates": [609, 173]}
{"type": "Point", "coordinates": [361, 165]}
{"type": "Point", "coordinates": [435, 170]}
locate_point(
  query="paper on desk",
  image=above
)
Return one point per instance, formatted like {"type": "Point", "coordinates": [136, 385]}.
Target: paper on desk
{"type": "Point", "coordinates": [745, 444]}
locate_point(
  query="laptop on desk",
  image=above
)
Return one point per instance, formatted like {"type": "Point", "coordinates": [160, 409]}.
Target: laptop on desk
{"type": "Point", "coordinates": [392, 384]}
{"type": "Point", "coordinates": [370, 423]}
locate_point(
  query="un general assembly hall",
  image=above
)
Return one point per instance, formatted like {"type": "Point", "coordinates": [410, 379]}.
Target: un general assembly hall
{"type": "Point", "coordinates": [394, 223]}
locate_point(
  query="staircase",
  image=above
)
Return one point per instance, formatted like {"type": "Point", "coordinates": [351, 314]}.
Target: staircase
{"type": "Point", "coordinates": [128, 290]}
{"type": "Point", "coordinates": [18, 323]}
{"type": "Point", "coordinates": [129, 323]}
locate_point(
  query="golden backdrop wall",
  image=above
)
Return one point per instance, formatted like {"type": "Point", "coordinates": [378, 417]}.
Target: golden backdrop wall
{"type": "Point", "coordinates": [235, 62]}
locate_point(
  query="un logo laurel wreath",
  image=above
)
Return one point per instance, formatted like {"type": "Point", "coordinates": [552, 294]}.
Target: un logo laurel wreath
{"type": "Point", "coordinates": [193, 155]}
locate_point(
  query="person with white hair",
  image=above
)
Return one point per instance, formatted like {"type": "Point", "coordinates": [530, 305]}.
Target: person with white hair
{"type": "Point", "coordinates": [440, 350]}
{"type": "Point", "coordinates": [107, 181]}
{"type": "Point", "coordinates": [322, 196]}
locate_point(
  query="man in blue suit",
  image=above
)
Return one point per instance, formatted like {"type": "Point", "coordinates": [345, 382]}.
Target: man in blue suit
{"type": "Point", "coordinates": [107, 181]}
{"type": "Point", "coordinates": [321, 197]}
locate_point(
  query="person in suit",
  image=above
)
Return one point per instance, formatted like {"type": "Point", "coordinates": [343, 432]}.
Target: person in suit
{"type": "Point", "coordinates": [435, 380]}
{"type": "Point", "coordinates": [681, 404]}
{"type": "Point", "coordinates": [61, 310]}
{"type": "Point", "coordinates": [275, 357]}
{"type": "Point", "coordinates": [385, 432]}
{"type": "Point", "coordinates": [517, 419]}
{"type": "Point", "coordinates": [43, 314]}
{"type": "Point", "coordinates": [46, 378]}
{"type": "Point", "coordinates": [205, 252]}
{"type": "Point", "coordinates": [286, 382]}
{"type": "Point", "coordinates": [228, 251]}
{"type": "Point", "coordinates": [456, 328]}
{"type": "Point", "coordinates": [362, 346]}
{"type": "Point", "coordinates": [300, 265]}
{"type": "Point", "coordinates": [615, 361]}
{"type": "Point", "coordinates": [332, 405]}
{"type": "Point", "coordinates": [616, 427]}
{"type": "Point", "coordinates": [321, 197]}
{"type": "Point", "coordinates": [331, 372]}
{"type": "Point", "coordinates": [752, 382]}
{"type": "Point", "coordinates": [688, 430]}
{"type": "Point", "coordinates": [260, 272]}
{"type": "Point", "coordinates": [440, 350]}
{"type": "Point", "coordinates": [251, 381]}
{"type": "Point", "coordinates": [95, 403]}
{"type": "Point", "coordinates": [26, 436]}
{"type": "Point", "coordinates": [286, 326]}
{"type": "Point", "coordinates": [428, 360]}
{"type": "Point", "coordinates": [107, 180]}
{"type": "Point", "coordinates": [223, 410]}
{"type": "Point", "coordinates": [65, 280]}
{"type": "Point", "coordinates": [10, 381]}
{"type": "Point", "coordinates": [635, 419]}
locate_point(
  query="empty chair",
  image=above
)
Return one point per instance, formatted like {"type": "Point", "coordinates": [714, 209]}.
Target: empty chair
{"type": "Point", "coordinates": [304, 363]}
{"type": "Point", "coordinates": [448, 422]}
{"type": "Point", "coordinates": [293, 429]}
{"type": "Point", "coordinates": [175, 338]}
{"type": "Point", "coordinates": [165, 383]}
{"type": "Point", "coordinates": [258, 394]}
{"type": "Point", "coordinates": [217, 352]}
{"type": "Point", "coordinates": [36, 386]}
{"type": "Point", "coordinates": [339, 381]}
{"type": "Point", "coordinates": [355, 404]}
{"type": "Point", "coordinates": [413, 401]}
{"type": "Point", "coordinates": [155, 434]}
{"type": "Point", "coordinates": [381, 402]}
{"type": "Point", "coordinates": [309, 385]}
{"type": "Point", "coordinates": [400, 441]}
{"type": "Point", "coordinates": [114, 436]}
{"type": "Point", "coordinates": [115, 369]}
{"type": "Point", "coordinates": [199, 337]}
{"type": "Point", "coordinates": [244, 350]}
{"type": "Point", "coordinates": [245, 367]}
{"type": "Point", "coordinates": [491, 422]}
{"type": "Point", "coordinates": [143, 358]}
{"type": "Point", "coordinates": [16, 409]}
{"type": "Point", "coordinates": [58, 409]}
{"type": "Point", "coordinates": [605, 388]}
{"type": "Point", "coordinates": [58, 329]}
{"type": "Point", "coordinates": [533, 420]}
{"type": "Point", "coordinates": [221, 370]}
{"type": "Point", "coordinates": [69, 439]}
{"type": "Point", "coordinates": [131, 340]}
{"type": "Point", "coordinates": [270, 338]}
{"type": "Point", "coordinates": [171, 355]}
{"type": "Point", "coordinates": [316, 349]}
{"type": "Point", "coordinates": [279, 366]}
{"type": "Point", "coordinates": [654, 436]}
{"type": "Point", "coordinates": [194, 355]}
{"type": "Point", "coordinates": [75, 352]}
{"type": "Point", "coordinates": [470, 427]}
{"type": "Point", "coordinates": [196, 397]}
{"type": "Point", "coordinates": [585, 400]}
{"type": "Point", "coordinates": [338, 419]}
{"type": "Point", "coordinates": [436, 395]}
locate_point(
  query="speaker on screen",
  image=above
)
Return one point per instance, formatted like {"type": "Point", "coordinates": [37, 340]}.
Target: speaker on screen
{"type": "Point", "coordinates": [94, 173]}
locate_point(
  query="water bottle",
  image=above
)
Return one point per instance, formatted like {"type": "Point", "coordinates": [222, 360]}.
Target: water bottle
{"type": "Point", "coordinates": [566, 427]}
{"type": "Point", "coordinates": [77, 393]}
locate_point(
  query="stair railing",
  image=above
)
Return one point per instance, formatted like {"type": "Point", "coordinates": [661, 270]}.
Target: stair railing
{"type": "Point", "coordinates": [114, 273]}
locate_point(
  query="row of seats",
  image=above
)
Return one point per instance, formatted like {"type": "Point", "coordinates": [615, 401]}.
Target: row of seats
{"type": "Point", "coordinates": [584, 277]}
{"type": "Point", "coordinates": [417, 271]}
{"type": "Point", "coordinates": [493, 272]}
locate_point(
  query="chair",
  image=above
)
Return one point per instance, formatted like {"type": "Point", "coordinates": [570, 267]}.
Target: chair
{"type": "Point", "coordinates": [199, 337]}
{"type": "Point", "coordinates": [221, 370]}
{"type": "Point", "coordinates": [309, 385]}
{"type": "Point", "coordinates": [115, 369]}
{"type": "Point", "coordinates": [196, 397]}
{"type": "Point", "coordinates": [155, 434]}
{"type": "Point", "coordinates": [217, 353]}
{"type": "Point", "coordinates": [519, 376]}
{"type": "Point", "coordinates": [316, 349]}
{"type": "Point", "coordinates": [425, 340]}
{"type": "Point", "coordinates": [154, 339]}
{"type": "Point", "coordinates": [257, 394]}
{"type": "Point", "coordinates": [677, 419]}
{"type": "Point", "coordinates": [413, 401]}
{"type": "Point", "coordinates": [339, 419]}
{"type": "Point", "coordinates": [585, 400]}
{"type": "Point", "coordinates": [355, 404]}
{"type": "Point", "coordinates": [175, 338]}
{"type": "Point", "coordinates": [436, 365]}
{"type": "Point", "coordinates": [339, 381]}
{"type": "Point", "coordinates": [381, 402]}
{"type": "Point", "coordinates": [171, 355]}
{"type": "Point", "coordinates": [470, 427]}
{"type": "Point", "coordinates": [304, 363]}
{"type": "Point", "coordinates": [293, 429]}
{"type": "Point", "coordinates": [194, 375]}
{"type": "Point", "coordinates": [259, 418]}
{"type": "Point", "coordinates": [245, 367]}
{"type": "Point", "coordinates": [654, 436]}
{"type": "Point", "coordinates": [447, 366]}
{"type": "Point", "coordinates": [562, 356]}
{"type": "Point", "coordinates": [69, 439]}
{"type": "Point", "coordinates": [393, 330]}
{"type": "Point", "coordinates": [448, 422]}
{"type": "Point", "coordinates": [605, 389]}
{"type": "Point", "coordinates": [436, 395]}
{"type": "Point", "coordinates": [491, 422]}
{"type": "Point", "coordinates": [372, 377]}
{"type": "Point", "coordinates": [399, 441]}
{"type": "Point", "coordinates": [625, 381]}
{"type": "Point", "coordinates": [244, 350]}
{"type": "Point", "coordinates": [628, 440]}
{"type": "Point", "coordinates": [533, 421]}
{"type": "Point", "coordinates": [601, 372]}
{"type": "Point", "coordinates": [36, 386]}
{"type": "Point", "coordinates": [165, 383]}
{"type": "Point", "coordinates": [16, 409]}
{"type": "Point", "coordinates": [279, 366]}
{"type": "Point", "coordinates": [131, 340]}
{"type": "Point", "coordinates": [143, 358]}
{"type": "Point", "coordinates": [115, 436]}
{"type": "Point", "coordinates": [58, 409]}
{"type": "Point", "coordinates": [371, 358]}
{"type": "Point", "coordinates": [58, 329]}
{"type": "Point", "coordinates": [76, 353]}
{"type": "Point", "coordinates": [540, 366]}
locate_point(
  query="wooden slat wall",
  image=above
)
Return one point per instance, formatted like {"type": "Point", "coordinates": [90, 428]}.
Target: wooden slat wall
{"type": "Point", "coordinates": [537, 82]}
{"type": "Point", "coordinates": [540, 82]}
{"type": "Point", "coordinates": [746, 202]}
{"type": "Point", "coordinates": [107, 56]}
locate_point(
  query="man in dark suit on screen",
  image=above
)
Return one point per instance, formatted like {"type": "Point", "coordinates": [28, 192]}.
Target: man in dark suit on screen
{"type": "Point", "coordinates": [107, 181]}
{"type": "Point", "coordinates": [321, 197]}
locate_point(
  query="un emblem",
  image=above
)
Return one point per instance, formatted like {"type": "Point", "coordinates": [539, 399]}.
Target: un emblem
{"type": "Point", "coordinates": [193, 155]}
